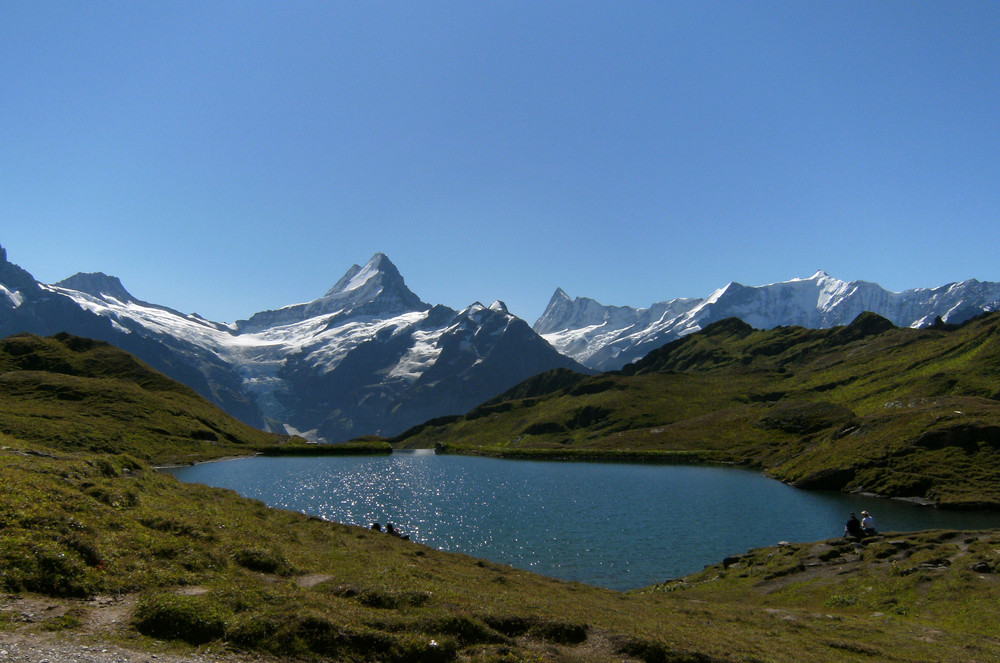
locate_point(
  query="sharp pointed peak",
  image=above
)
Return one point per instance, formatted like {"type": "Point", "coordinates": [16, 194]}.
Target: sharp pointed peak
{"type": "Point", "coordinates": [499, 307]}
{"type": "Point", "coordinates": [378, 267]}
{"type": "Point", "coordinates": [730, 287]}
{"type": "Point", "coordinates": [376, 289]}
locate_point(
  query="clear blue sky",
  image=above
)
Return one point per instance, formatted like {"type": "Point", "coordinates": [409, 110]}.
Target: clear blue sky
{"type": "Point", "coordinates": [229, 157]}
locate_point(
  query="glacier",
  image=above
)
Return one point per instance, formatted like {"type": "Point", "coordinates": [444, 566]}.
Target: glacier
{"type": "Point", "coordinates": [367, 357]}
{"type": "Point", "coordinates": [609, 337]}
{"type": "Point", "coordinates": [370, 357]}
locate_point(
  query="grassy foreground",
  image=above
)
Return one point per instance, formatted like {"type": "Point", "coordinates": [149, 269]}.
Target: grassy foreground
{"type": "Point", "coordinates": [202, 567]}
{"type": "Point", "coordinates": [94, 543]}
{"type": "Point", "coordinates": [866, 407]}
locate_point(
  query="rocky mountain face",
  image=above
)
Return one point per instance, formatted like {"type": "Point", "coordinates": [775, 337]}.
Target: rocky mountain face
{"type": "Point", "coordinates": [370, 357]}
{"type": "Point", "coordinates": [367, 357]}
{"type": "Point", "coordinates": [609, 337]}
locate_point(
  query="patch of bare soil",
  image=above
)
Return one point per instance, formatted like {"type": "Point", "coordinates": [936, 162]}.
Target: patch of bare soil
{"type": "Point", "coordinates": [95, 621]}
{"type": "Point", "coordinates": [312, 579]}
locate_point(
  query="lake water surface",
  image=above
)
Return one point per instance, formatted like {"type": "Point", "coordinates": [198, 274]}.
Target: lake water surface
{"type": "Point", "coordinates": [615, 525]}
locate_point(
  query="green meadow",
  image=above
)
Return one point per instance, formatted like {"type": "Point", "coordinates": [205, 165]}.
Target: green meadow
{"type": "Point", "coordinates": [106, 549]}
{"type": "Point", "coordinates": [867, 407]}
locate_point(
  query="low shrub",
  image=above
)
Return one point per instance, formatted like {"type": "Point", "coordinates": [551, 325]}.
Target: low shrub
{"type": "Point", "coordinates": [44, 567]}
{"type": "Point", "coordinates": [193, 619]}
{"type": "Point", "coordinates": [263, 561]}
{"type": "Point", "coordinates": [466, 630]}
{"type": "Point", "coordinates": [252, 630]}
{"type": "Point", "coordinates": [651, 651]}
{"type": "Point", "coordinates": [841, 601]}
{"type": "Point", "coordinates": [564, 633]}
{"type": "Point", "coordinates": [510, 625]}
{"type": "Point", "coordinates": [327, 638]}
{"type": "Point", "coordinates": [375, 598]}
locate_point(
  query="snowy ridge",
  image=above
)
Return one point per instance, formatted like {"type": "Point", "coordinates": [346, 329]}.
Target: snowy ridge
{"type": "Point", "coordinates": [367, 357]}
{"type": "Point", "coordinates": [370, 357]}
{"type": "Point", "coordinates": [608, 337]}
{"type": "Point", "coordinates": [260, 355]}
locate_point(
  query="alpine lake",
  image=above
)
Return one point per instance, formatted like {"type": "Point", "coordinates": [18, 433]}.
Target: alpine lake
{"type": "Point", "coordinates": [615, 525]}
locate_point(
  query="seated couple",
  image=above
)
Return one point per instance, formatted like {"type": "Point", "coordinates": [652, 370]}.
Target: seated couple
{"type": "Point", "coordinates": [858, 529]}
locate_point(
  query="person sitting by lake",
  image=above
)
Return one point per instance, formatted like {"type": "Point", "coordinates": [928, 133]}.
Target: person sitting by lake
{"type": "Point", "coordinates": [867, 524]}
{"type": "Point", "coordinates": [853, 528]}
{"type": "Point", "coordinates": [389, 529]}
{"type": "Point", "coordinates": [376, 527]}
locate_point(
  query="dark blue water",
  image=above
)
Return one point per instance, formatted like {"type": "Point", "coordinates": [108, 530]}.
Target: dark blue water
{"type": "Point", "coordinates": [614, 525]}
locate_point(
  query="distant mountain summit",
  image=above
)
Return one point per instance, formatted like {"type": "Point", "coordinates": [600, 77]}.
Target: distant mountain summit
{"type": "Point", "coordinates": [14, 281]}
{"type": "Point", "coordinates": [370, 356]}
{"type": "Point", "coordinates": [376, 289]}
{"type": "Point", "coordinates": [98, 285]}
{"type": "Point", "coordinates": [609, 337]}
{"type": "Point", "coordinates": [367, 357]}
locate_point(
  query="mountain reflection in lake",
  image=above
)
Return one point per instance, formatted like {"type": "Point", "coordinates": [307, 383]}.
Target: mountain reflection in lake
{"type": "Point", "coordinates": [615, 525]}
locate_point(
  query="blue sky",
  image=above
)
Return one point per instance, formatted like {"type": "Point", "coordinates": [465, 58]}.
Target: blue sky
{"type": "Point", "coordinates": [230, 157]}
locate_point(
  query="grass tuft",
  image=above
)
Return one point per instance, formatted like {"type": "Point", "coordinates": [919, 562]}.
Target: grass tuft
{"type": "Point", "coordinates": [193, 619]}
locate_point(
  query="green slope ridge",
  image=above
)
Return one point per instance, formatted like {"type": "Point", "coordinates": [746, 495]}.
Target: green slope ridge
{"type": "Point", "coordinates": [78, 394]}
{"type": "Point", "coordinates": [899, 412]}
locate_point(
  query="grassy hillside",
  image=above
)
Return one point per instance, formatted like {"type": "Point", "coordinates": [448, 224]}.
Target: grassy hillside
{"type": "Point", "coordinates": [77, 394]}
{"type": "Point", "coordinates": [932, 587]}
{"type": "Point", "coordinates": [102, 548]}
{"type": "Point", "coordinates": [900, 412]}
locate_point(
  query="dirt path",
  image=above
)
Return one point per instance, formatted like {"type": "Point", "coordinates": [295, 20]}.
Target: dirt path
{"type": "Point", "coordinates": [97, 622]}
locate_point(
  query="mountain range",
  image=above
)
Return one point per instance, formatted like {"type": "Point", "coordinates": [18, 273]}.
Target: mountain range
{"type": "Point", "coordinates": [609, 337]}
{"type": "Point", "coordinates": [866, 407]}
{"type": "Point", "coordinates": [370, 357]}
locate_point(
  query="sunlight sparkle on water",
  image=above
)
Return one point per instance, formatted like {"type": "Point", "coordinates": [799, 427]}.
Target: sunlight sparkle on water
{"type": "Point", "coordinates": [616, 525]}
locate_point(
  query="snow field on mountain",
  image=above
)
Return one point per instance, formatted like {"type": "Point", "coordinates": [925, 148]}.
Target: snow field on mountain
{"type": "Point", "coordinates": [607, 337]}
{"type": "Point", "coordinates": [15, 298]}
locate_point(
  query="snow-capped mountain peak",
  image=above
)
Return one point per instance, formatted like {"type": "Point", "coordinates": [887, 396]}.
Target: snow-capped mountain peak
{"type": "Point", "coordinates": [375, 272]}
{"type": "Point", "coordinates": [818, 275]}
{"type": "Point", "coordinates": [729, 289]}
{"type": "Point", "coordinates": [499, 307]}
{"type": "Point", "coordinates": [367, 357]}
{"type": "Point", "coordinates": [99, 285]}
{"type": "Point", "coordinates": [377, 289]}
{"type": "Point", "coordinates": [370, 356]}
{"type": "Point", "coordinates": [608, 337]}
{"type": "Point", "coordinates": [564, 312]}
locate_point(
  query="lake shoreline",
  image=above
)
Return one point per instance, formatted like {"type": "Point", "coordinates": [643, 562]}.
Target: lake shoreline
{"type": "Point", "coordinates": [534, 515]}
{"type": "Point", "coordinates": [703, 458]}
